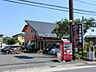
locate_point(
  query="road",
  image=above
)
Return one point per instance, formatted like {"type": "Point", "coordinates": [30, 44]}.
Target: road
{"type": "Point", "coordinates": [29, 62]}
{"type": "Point", "coordinates": [89, 69]}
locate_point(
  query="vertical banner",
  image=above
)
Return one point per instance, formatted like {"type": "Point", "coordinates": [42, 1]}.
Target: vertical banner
{"type": "Point", "coordinates": [77, 35]}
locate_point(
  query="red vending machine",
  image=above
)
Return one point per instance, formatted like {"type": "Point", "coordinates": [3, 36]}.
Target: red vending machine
{"type": "Point", "coordinates": [66, 48]}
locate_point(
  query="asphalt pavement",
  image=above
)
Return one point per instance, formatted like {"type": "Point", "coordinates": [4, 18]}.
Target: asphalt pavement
{"type": "Point", "coordinates": [29, 62]}
{"type": "Point", "coordinates": [26, 60]}
{"type": "Point", "coordinates": [89, 69]}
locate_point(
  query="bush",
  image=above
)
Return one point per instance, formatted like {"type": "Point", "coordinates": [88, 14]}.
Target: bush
{"type": "Point", "coordinates": [78, 54]}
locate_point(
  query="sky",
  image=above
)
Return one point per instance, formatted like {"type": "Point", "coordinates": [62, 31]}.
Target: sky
{"type": "Point", "coordinates": [13, 16]}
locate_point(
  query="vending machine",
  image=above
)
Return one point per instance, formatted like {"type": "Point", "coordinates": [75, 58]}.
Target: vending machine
{"type": "Point", "coordinates": [65, 51]}
{"type": "Point", "coordinates": [91, 53]}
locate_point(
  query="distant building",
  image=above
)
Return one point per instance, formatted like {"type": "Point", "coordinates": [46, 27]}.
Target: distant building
{"type": "Point", "coordinates": [20, 38]}
{"type": "Point", "coordinates": [91, 38]}
{"type": "Point", "coordinates": [7, 37]}
{"type": "Point", "coordinates": [1, 40]}
{"type": "Point", "coordinates": [40, 33]}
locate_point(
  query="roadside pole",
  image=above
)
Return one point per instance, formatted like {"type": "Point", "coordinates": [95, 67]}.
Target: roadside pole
{"type": "Point", "coordinates": [71, 19]}
{"type": "Point", "coordinates": [82, 42]}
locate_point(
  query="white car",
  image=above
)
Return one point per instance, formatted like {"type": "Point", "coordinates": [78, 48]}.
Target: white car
{"type": "Point", "coordinates": [54, 51]}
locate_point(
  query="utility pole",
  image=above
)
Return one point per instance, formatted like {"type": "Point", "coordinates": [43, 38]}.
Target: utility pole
{"type": "Point", "coordinates": [71, 19]}
{"type": "Point", "coordinates": [71, 10]}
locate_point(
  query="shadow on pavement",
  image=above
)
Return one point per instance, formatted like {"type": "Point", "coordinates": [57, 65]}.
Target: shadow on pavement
{"type": "Point", "coordinates": [58, 61]}
{"type": "Point", "coordinates": [43, 57]}
{"type": "Point", "coordinates": [23, 57]}
{"type": "Point", "coordinates": [55, 60]}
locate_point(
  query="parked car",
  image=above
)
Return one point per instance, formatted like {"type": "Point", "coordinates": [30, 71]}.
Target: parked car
{"type": "Point", "coordinates": [52, 49]}
{"type": "Point", "coordinates": [11, 49]}
{"type": "Point", "coordinates": [48, 49]}
{"type": "Point", "coordinates": [15, 49]}
{"type": "Point", "coordinates": [4, 49]}
{"type": "Point", "coordinates": [55, 49]}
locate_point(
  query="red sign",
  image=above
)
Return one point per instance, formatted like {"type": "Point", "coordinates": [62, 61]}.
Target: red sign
{"type": "Point", "coordinates": [77, 35]}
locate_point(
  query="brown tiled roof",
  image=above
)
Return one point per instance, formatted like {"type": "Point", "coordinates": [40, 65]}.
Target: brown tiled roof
{"type": "Point", "coordinates": [43, 29]}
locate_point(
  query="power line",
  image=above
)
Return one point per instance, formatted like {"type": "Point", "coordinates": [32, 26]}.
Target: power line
{"type": "Point", "coordinates": [47, 7]}
{"type": "Point", "coordinates": [86, 2]}
{"type": "Point", "coordinates": [35, 5]}
{"type": "Point", "coordinates": [56, 6]}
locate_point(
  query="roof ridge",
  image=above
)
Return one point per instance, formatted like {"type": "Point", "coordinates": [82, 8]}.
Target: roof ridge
{"type": "Point", "coordinates": [40, 22]}
{"type": "Point", "coordinates": [41, 27]}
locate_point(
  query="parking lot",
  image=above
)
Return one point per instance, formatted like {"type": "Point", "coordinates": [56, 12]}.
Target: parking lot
{"type": "Point", "coordinates": [32, 61]}
{"type": "Point", "coordinates": [25, 60]}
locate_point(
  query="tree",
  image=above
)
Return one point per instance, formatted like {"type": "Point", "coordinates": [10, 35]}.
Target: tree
{"type": "Point", "coordinates": [62, 28]}
{"type": "Point", "coordinates": [11, 41]}
{"type": "Point", "coordinates": [88, 23]}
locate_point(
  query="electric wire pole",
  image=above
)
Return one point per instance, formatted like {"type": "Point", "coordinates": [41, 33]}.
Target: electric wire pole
{"type": "Point", "coordinates": [71, 19]}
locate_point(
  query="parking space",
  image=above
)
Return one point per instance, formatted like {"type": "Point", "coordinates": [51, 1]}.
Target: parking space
{"type": "Point", "coordinates": [10, 61]}
{"type": "Point", "coordinates": [25, 58]}
{"type": "Point", "coordinates": [29, 60]}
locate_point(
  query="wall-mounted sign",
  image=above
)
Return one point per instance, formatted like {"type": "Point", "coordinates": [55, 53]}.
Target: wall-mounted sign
{"type": "Point", "coordinates": [77, 35]}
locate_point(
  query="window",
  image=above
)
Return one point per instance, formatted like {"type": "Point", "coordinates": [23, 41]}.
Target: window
{"type": "Point", "coordinates": [22, 37]}
{"type": "Point", "coordinates": [32, 31]}
{"type": "Point", "coordinates": [27, 33]}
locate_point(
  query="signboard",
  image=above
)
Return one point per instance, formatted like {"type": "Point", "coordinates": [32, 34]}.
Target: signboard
{"type": "Point", "coordinates": [77, 35]}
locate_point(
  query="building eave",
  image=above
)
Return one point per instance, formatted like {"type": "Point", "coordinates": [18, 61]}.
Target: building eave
{"type": "Point", "coordinates": [25, 27]}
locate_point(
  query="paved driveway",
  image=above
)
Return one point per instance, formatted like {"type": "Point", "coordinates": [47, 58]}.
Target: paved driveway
{"type": "Point", "coordinates": [32, 61]}
{"type": "Point", "coordinates": [26, 60]}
